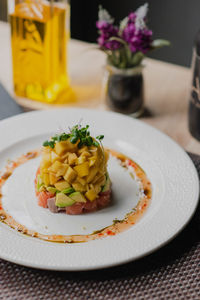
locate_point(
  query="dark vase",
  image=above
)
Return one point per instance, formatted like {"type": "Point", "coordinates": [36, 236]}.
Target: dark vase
{"type": "Point", "coordinates": [124, 90]}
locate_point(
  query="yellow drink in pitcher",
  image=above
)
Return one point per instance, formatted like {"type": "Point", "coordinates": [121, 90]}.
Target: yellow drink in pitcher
{"type": "Point", "coordinates": [39, 38]}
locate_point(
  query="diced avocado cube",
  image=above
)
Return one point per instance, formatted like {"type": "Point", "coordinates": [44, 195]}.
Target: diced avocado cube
{"type": "Point", "coordinates": [42, 188]}
{"type": "Point", "coordinates": [68, 190]}
{"type": "Point", "coordinates": [62, 185]}
{"type": "Point", "coordinates": [77, 197]}
{"type": "Point", "coordinates": [106, 187]}
{"type": "Point", "coordinates": [51, 189]}
{"type": "Point", "coordinates": [39, 182]}
{"type": "Point", "coordinates": [63, 200]}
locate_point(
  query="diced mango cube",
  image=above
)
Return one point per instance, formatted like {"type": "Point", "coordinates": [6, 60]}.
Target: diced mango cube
{"type": "Point", "coordinates": [46, 180]}
{"type": "Point", "coordinates": [46, 156]}
{"type": "Point", "coordinates": [102, 180]}
{"type": "Point", "coordinates": [85, 148]}
{"type": "Point", "coordinates": [55, 166]}
{"type": "Point", "coordinates": [60, 148]}
{"type": "Point", "coordinates": [91, 195]}
{"type": "Point", "coordinates": [70, 175]}
{"type": "Point", "coordinates": [106, 153]}
{"type": "Point", "coordinates": [45, 164]}
{"type": "Point", "coordinates": [79, 187]}
{"type": "Point", "coordinates": [82, 170]}
{"type": "Point", "coordinates": [61, 185]}
{"type": "Point", "coordinates": [99, 178]}
{"type": "Point", "coordinates": [54, 156]}
{"type": "Point", "coordinates": [53, 179]}
{"type": "Point", "coordinates": [72, 158]}
{"type": "Point", "coordinates": [62, 170]}
{"type": "Point", "coordinates": [92, 174]}
{"type": "Point", "coordinates": [65, 146]}
{"type": "Point", "coordinates": [92, 160]}
{"type": "Point", "coordinates": [81, 180]}
{"type": "Point", "coordinates": [97, 188]}
{"type": "Point", "coordinates": [80, 160]}
{"type": "Point", "coordinates": [71, 147]}
{"type": "Point", "coordinates": [85, 153]}
{"type": "Point", "coordinates": [94, 150]}
{"type": "Point", "coordinates": [65, 157]}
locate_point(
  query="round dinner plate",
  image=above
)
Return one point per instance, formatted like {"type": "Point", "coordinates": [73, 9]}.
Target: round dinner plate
{"type": "Point", "coordinates": [173, 176]}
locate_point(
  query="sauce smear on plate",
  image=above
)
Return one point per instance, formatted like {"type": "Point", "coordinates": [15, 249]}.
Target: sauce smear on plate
{"type": "Point", "coordinates": [118, 226]}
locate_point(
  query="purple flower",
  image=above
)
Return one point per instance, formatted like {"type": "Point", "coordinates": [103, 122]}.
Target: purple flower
{"type": "Point", "coordinates": [129, 32]}
{"type": "Point", "coordinates": [131, 17]}
{"type": "Point", "coordinates": [132, 36]}
{"type": "Point", "coordinates": [139, 39]}
{"type": "Point", "coordinates": [102, 25]}
{"type": "Point", "coordinates": [107, 31]}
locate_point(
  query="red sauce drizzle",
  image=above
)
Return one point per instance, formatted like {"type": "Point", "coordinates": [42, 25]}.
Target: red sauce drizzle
{"type": "Point", "coordinates": [117, 227]}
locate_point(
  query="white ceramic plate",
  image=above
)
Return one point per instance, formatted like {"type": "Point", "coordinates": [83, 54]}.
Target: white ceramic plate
{"type": "Point", "coordinates": [170, 170]}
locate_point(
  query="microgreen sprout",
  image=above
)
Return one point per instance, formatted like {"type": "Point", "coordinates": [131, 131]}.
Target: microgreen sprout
{"type": "Point", "coordinates": [76, 134]}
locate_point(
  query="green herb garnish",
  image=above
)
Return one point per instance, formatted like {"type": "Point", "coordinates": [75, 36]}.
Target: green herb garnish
{"type": "Point", "coordinates": [77, 133]}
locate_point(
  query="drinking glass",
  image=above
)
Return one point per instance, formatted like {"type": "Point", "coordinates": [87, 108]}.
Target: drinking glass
{"type": "Point", "coordinates": [40, 32]}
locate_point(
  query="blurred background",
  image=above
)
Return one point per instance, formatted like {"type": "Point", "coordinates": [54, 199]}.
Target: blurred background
{"type": "Point", "coordinates": [175, 20]}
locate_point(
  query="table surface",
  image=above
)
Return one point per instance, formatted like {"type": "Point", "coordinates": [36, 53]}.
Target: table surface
{"type": "Point", "coordinates": [171, 272]}
{"type": "Point", "coordinates": [167, 87]}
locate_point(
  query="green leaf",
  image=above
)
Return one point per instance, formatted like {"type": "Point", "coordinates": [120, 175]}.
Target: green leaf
{"type": "Point", "coordinates": [89, 141]}
{"type": "Point", "coordinates": [160, 43]}
{"type": "Point", "coordinates": [80, 144]}
{"type": "Point", "coordinates": [63, 137]}
{"type": "Point", "coordinates": [46, 144]}
{"type": "Point", "coordinates": [54, 138]}
{"type": "Point", "coordinates": [117, 39]}
{"type": "Point", "coordinates": [74, 139]}
{"type": "Point", "coordinates": [100, 137]}
{"type": "Point", "coordinates": [77, 133]}
{"type": "Point", "coordinates": [51, 144]}
{"type": "Point", "coordinates": [137, 58]}
{"type": "Point", "coordinates": [95, 143]}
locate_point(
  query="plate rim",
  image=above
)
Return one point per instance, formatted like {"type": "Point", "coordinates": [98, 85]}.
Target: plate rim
{"type": "Point", "coordinates": [122, 261]}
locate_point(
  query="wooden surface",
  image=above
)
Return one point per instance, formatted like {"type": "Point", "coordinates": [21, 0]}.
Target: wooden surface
{"type": "Point", "coordinates": [167, 87]}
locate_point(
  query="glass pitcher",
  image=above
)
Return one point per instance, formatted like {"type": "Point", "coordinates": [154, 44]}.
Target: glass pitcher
{"type": "Point", "coordinates": [40, 32]}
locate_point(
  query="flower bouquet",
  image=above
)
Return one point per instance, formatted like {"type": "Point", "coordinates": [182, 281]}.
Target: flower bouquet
{"type": "Point", "coordinates": [126, 46]}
